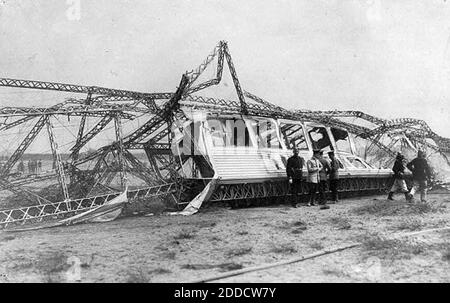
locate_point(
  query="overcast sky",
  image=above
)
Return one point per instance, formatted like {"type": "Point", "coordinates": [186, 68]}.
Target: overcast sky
{"type": "Point", "coordinates": [387, 58]}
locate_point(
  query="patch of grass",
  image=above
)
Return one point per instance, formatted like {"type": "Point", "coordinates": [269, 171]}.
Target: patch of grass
{"type": "Point", "coordinates": [299, 226]}
{"type": "Point", "coordinates": [169, 255]}
{"type": "Point", "coordinates": [298, 231]}
{"type": "Point", "coordinates": [337, 220]}
{"type": "Point", "coordinates": [333, 272]}
{"type": "Point", "coordinates": [205, 224]}
{"type": "Point", "coordinates": [20, 263]}
{"type": "Point", "coordinates": [137, 276]}
{"type": "Point", "coordinates": [298, 223]}
{"type": "Point", "coordinates": [443, 248]}
{"type": "Point", "coordinates": [236, 252]}
{"type": "Point", "coordinates": [395, 208]}
{"type": "Point", "coordinates": [340, 222]}
{"type": "Point", "coordinates": [285, 248]}
{"type": "Point", "coordinates": [409, 224]}
{"type": "Point", "coordinates": [165, 252]}
{"type": "Point", "coordinates": [390, 249]}
{"type": "Point", "coordinates": [222, 266]}
{"type": "Point", "coordinates": [159, 271]}
{"type": "Point", "coordinates": [88, 264]}
{"type": "Point", "coordinates": [446, 255]}
{"type": "Point", "coordinates": [184, 235]}
{"type": "Point", "coordinates": [198, 266]}
{"type": "Point", "coordinates": [7, 238]}
{"type": "Point", "coordinates": [230, 266]}
{"type": "Point", "coordinates": [52, 265]}
{"type": "Point", "coordinates": [316, 245]}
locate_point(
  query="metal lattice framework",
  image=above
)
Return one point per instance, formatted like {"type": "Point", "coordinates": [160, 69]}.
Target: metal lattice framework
{"type": "Point", "coordinates": [161, 112]}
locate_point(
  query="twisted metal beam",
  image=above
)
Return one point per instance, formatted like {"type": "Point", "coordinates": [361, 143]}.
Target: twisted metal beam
{"type": "Point", "coordinates": [73, 88]}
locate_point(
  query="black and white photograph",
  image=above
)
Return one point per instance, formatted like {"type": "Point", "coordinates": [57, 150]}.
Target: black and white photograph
{"type": "Point", "coordinates": [249, 144]}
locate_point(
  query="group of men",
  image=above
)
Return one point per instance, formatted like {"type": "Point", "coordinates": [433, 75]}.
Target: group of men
{"type": "Point", "coordinates": [421, 175]}
{"type": "Point", "coordinates": [321, 172]}
{"type": "Point", "coordinates": [34, 167]}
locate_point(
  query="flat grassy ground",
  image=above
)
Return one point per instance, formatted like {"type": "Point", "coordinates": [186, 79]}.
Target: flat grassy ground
{"type": "Point", "coordinates": [163, 248]}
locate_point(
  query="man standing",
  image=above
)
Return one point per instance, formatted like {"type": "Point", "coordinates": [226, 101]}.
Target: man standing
{"type": "Point", "coordinates": [323, 175]}
{"type": "Point", "coordinates": [421, 173]}
{"type": "Point", "coordinates": [399, 179]}
{"type": "Point", "coordinates": [33, 166]}
{"type": "Point", "coordinates": [335, 165]}
{"type": "Point", "coordinates": [39, 165]}
{"type": "Point", "coordinates": [21, 167]}
{"type": "Point", "coordinates": [294, 168]}
{"type": "Point", "coordinates": [314, 166]}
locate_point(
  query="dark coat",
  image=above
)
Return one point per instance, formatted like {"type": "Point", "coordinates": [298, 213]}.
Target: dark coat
{"type": "Point", "coordinates": [326, 168]}
{"type": "Point", "coordinates": [334, 169]}
{"type": "Point", "coordinates": [399, 169]}
{"type": "Point", "coordinates": [420, 169]}
{"type": "Point", "coordinates": [294, 167]}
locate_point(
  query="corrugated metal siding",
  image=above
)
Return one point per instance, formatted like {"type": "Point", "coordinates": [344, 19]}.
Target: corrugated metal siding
{"type": "Point", "coordinates": [255, 165]}
{"type": "Point", "coordinates": [240, 162]}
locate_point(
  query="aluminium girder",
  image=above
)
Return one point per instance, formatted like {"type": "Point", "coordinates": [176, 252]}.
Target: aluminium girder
{"type": "Point", "coordinates": [195, 73]}
{"type": "Point", "coordinates": [57, 158]}
{"type": "Point", "coordinates": [86, 104]}
{"type": "Point", "coordinates": [51, 210]}
{"type": "Point", "coordinates": [351, 113]}
{"type": "Point", "coordinates": [31, 84]}
{"type": "Point", "coordinates": [264, 102]}
{"type": "Point", "coordinates": [145, 130]}
{"type": "Point", "coordinates": [23, 145]}
{"type": "Point", "coordinates": [120, 149]}
{"type": "Point", "coordinates": [55, 107]}
{"type": "Point", "coordinates": [91, 133]}
{"type": "Point", "coordinates": [66, 111]}
{"type": "Point", "coordinates": [237, 85]}
{"type": "Point", "coordinates": [146, 174]}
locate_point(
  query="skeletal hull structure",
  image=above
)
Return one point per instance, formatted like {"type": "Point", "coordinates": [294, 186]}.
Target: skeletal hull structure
{"type": "Point", "coordinates": [248, 155]}
{"type": "Point", "coordinates": [183, 146]}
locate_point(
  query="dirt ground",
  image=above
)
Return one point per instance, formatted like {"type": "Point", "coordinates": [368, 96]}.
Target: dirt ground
{"type": "Point", "coordinates": [163, 248]}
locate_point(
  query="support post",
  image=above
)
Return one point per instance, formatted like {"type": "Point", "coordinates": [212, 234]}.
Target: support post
{"type": "Point", "coordinates": [57, 158]}
{"type": "Point", "coordinates": [119, 140]}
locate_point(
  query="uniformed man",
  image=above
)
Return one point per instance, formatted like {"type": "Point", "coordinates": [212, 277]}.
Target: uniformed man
{"type": "Point", "coordinates": [399, 179]}
{"type": "Point", "coordinates": [294, 173]}
{"type": "Point", "coordinates": [421, 174]}
{"type": "Point", "coordinates": [21, 167]}
{"type": "Point", "coordinates": [39, 165]}
{"type": "Point", "coordinates": [314, 166]}
{"type": "Point", "coordinates": [323, 175]}
{"type": "Point", "coordinates": [335, 165]}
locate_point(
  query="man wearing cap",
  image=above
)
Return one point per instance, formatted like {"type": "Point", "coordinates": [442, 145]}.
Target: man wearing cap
{"type": "Point", "coordinates": [294, 172]}
{"type": "Point", "coordinates": [323, 175]}
{"type": "Point", "coordinates": [421, 173]}
{"type": "Point", "coordinates": [335, 165]}
{"type": "Point", "coordinates": [314, 166]}
{"type": "Point", "coordinates": [399, 179]}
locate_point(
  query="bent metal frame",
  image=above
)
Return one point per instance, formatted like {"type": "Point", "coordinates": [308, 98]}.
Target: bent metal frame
{"type": "Point", "coordinates": [162, 110]}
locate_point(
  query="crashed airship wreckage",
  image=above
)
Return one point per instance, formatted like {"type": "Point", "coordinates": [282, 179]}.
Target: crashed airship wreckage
{"type": "Point", "coordinates": [182, 146]}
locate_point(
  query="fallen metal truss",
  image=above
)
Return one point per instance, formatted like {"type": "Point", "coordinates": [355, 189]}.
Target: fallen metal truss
{"type": "Point", "coordinates": [111, 167]}
{"type": "Point", "coordinates": [37, 213]}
